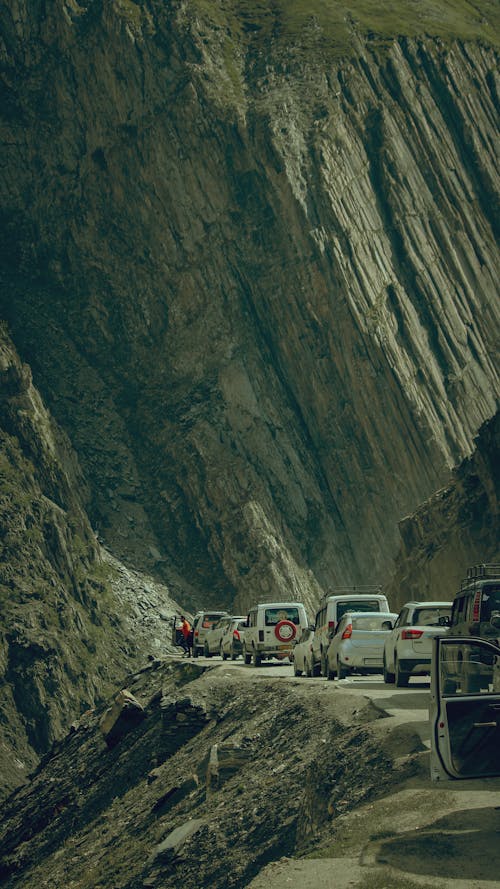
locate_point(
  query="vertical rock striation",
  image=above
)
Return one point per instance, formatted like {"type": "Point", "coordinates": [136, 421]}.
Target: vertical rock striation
{"type": "Point", "coordinates": [254, 274]}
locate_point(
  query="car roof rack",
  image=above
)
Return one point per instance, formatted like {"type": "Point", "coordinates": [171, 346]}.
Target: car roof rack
{"type": "Point", "coordinates": [486, 571]}
{"type": "Point", "coordinates": [363, 589]}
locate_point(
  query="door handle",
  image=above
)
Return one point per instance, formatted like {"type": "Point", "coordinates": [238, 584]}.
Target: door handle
{"type": "Point", "coordinates": [485, 724]}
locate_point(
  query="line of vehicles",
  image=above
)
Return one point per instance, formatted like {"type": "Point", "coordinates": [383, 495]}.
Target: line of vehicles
{"type": "Point", "coordinates": [456, 642]}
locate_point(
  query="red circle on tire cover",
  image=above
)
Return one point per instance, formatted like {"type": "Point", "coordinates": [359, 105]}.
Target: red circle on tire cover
{"type": "Point", "coordinates": [285, 631]}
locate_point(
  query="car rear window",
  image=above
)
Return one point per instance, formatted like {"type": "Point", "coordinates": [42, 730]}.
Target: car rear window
{"type": "Point", "coordinates": [272, 616]}
{"type": "Point", "coordinates": [368, 623]}
{"type": "Point", "coordinates": [490, 601]}
{"type": "Point", "coordinates": [357, 605]}
{"type": "Point", "coordinates": [429, 617]}
{"type": "Point", "coordinates": [209, 620]}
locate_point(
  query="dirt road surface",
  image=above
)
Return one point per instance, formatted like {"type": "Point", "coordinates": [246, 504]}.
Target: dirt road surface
{"type": "Point", "coordinates": [423, 836]}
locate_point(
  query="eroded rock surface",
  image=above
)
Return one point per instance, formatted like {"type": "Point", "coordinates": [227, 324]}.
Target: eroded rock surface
{"type": "Point", "coordinates": [251, 259]}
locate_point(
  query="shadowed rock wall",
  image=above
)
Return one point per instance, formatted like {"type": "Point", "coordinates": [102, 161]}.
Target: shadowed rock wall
{"type": "Point", "coordinates": [254, 280]}
{"type": "Point", "coordinates": [457, 527]}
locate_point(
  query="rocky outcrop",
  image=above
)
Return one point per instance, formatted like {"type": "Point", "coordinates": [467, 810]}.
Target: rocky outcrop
{"type": "Point", "coordinates": [71, 620]}
{"type": "Point", "coordinates": [456, 528]}
{"type": "Point", "coordinates": [250, 257]}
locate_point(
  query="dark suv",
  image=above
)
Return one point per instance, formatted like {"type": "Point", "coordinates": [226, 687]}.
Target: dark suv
{"type": "Point", "coordinates": [475, 613]}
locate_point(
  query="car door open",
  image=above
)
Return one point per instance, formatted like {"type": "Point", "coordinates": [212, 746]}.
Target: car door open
{"type": "Point", "coordinates": [465, 709]}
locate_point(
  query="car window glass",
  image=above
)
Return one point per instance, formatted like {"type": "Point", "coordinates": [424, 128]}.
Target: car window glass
{"type": "Point", "coordinates": [368, 623]}
{"type": "Point", "coordinates": [490, 601]}
{"type": "Point", "coordinates": [357, 605]}
{"type": "Point", "coordinates": [429, 617]}
{"type": "Point", "coordinates": [273, 616]}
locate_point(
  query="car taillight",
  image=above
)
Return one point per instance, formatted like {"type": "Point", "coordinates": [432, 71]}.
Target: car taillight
{"type": "Point", "coordinates": [347, 632]}
{"type": "Point", "coordinates": [331, 624]}
{"type": "Point", "coordinates": [196, 632]}
{"type": "Point", "coordinates": [412, 634]}
{"type": "Point", "coordinates": [236, 635]}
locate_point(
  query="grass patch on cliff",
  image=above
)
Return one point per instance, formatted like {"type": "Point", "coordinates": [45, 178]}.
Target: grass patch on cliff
{"type": "Point", "coordinates": [329, 26]}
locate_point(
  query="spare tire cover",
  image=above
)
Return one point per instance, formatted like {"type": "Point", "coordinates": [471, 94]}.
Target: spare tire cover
{"type": "Point", "coordinates": [285, 631]}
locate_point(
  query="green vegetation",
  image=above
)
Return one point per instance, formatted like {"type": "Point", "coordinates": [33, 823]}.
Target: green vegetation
{"type": "Point", "coordinates": [329, 25]}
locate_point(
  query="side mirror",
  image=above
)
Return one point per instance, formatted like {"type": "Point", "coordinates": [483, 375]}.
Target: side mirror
{"type": "Point", "coordinates": [495, 619]}
{"type": "Point", "coordinates": [387, 625]}
{"type": "Point", "coordinates": [444, 621]}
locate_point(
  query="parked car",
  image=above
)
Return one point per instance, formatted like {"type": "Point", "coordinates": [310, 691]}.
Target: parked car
{"type": "Point", "coordinates": [408, 647]}
{"type": "Point", "coordinates": [476, 613]}
{"type": "Point", "coordinates": [232, 640]}
{"type": "Point", "coordinates": [358, 643]}
{"type": "Point", "coordinates": [302, 653]}
{"type": "Point", "coordinates": [271, 629]}
{"type": "Point", "coordinates": [332, 608]}
{"type": "Point", "coordinates": [465, 728]}
{"type": "Point", "coordinates": [204, 621]}
{"type": "Point", "coordinates": [214, 636]}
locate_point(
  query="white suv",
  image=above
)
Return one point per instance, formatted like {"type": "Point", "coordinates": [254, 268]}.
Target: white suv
{"type": "Point", "coordinates": [272, 628]}
{"type": "Point", "coordinates": [332, 609]}
{"type": "Point", "coordinates": [408, 648]}
{"type": "Point", "coordinates": [203, 622]}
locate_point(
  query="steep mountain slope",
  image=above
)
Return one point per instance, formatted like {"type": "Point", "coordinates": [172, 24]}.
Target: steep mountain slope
{"type": "Point", "coordinates": [68, 613]}
{"type": "Point", "coordinates": [250, 256]}
{"type": "Point", "coordinates": [457, 527]}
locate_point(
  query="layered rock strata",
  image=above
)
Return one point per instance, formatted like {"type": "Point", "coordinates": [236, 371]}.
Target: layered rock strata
{"type": "Point", "coordinates": [254, 271]}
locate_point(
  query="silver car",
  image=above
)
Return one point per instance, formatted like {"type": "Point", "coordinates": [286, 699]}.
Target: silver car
{"type": "Point", "coordinates": [358, 643]}
{"type": "Point", "coordinates": [303, 654]}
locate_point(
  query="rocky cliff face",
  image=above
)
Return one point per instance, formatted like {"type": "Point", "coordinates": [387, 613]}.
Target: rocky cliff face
{"type": "Point", "coordinates": [69, 621]}
{"type": "Point", "coordinates": [457, 527]}
{"type": "Point", "coordinates": [249, 255]}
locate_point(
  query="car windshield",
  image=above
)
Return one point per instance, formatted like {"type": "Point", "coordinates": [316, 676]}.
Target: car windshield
{"type": "Point", "coordinates": [274, 615]}
{"type": "Point", "coordinates": [368, 623]}
{"type": "Point", "coordinates": [430, 617]}
{"type": "Point", "coordinates": [241, 625]}
{"type": "Point", "coordinates": [357, 605]}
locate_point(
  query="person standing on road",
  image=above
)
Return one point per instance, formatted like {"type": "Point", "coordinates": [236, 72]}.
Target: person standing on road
{"type": "Point", "coordinates": [185, 630]}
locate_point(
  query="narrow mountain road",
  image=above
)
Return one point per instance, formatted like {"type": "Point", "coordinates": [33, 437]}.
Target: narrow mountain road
{"type": "Point", "coordinates": [423, 836]}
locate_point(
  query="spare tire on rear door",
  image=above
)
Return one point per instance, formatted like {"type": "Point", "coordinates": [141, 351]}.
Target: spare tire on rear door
{"type": "Point", "coordinates": [285, 631]}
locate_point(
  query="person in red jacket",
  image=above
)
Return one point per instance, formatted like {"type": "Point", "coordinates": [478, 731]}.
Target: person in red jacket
{"type": "Point", "coordinates": [186, 635]}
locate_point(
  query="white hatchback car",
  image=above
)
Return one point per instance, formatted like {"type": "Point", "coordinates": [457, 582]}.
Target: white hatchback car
{"type": "Point", "coordinates": [408, 648]}
{"type": "Point", "coordinates": [231, 644]}
{"type": "Point", "coordinates": [358, 644]}
{"type": "Point", "coordinates": [302, 653]}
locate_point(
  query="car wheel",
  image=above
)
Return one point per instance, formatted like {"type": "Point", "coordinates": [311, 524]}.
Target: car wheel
{"type": "Point", "coordinates": [342, 671]}
{"type": "Point", "coordinates": [296, 671]}
{"type": "Point", "coordinates": [246, 656]}
{"type": "Point", "coordinates": [234, 655]}
{"type": "Point", "coordinates": [402, 678]}
{"type": "Point", "coordinates": [388, 676]}
{"type": "Point", "coordinates": [316, 670]}
{"type": "Point", "coordinates": [195, 652]}
{"type": "Point", "coordinates": [330, 674]}
{"type": "Point", "coordinates": [223, 654]}
{"type": "Point", "coordinates": [256, 659]}
{"type": "Point", "coordinates": [206, 651]}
